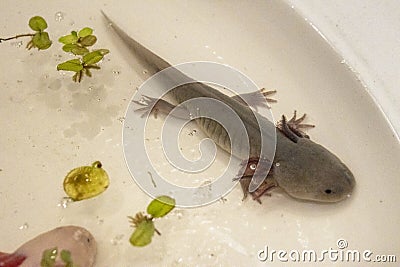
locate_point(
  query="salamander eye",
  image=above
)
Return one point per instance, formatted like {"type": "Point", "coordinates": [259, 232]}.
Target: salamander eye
{"type": "Point", "coordinates": [328, 191]}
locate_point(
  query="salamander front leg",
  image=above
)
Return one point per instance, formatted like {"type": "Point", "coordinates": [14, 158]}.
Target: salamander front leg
{"type": "Point", "coordinates": [248, 171]}
{"type": "Point", "coordinates": [263, 189]}
{"type": "Point", "coordinates": [293, 128]}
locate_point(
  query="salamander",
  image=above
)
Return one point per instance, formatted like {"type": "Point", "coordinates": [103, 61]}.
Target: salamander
{"type": "Point", "coordinates": [304, 169]}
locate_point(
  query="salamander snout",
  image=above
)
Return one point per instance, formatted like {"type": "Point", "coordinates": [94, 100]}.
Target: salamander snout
{"type": "Point", "coordinates": [339, 187]}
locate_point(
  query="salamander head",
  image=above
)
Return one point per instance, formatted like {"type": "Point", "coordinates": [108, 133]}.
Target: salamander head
{"type": "Point", "coordinates": [311, 172]}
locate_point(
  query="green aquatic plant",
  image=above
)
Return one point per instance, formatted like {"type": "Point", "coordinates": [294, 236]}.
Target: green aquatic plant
{"type": "Point", "coordinates": [76, 43]}
{"type": "Point", "coordinates": [39, 39]}
{"type": "Point", "coordinates": [86, 182]}
{"type": "Point", "coordinates": [49, 257]}
{"type": "Point", "coordinates": [144, 223]}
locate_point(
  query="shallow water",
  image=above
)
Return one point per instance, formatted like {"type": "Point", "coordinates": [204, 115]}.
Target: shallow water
{"type": "Point", "coordinates": [51, 125]}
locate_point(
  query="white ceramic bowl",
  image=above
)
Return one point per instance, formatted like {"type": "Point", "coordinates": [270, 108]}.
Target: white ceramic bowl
{"type": "Point", "coordinates": [51, 125]}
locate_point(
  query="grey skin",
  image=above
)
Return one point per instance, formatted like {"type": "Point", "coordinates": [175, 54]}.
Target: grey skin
{"type": "Point", "coordinates": [304, 169]}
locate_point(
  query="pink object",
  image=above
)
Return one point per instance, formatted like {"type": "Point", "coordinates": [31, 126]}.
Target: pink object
{"type": "Point", "coordinates": [77, 240]}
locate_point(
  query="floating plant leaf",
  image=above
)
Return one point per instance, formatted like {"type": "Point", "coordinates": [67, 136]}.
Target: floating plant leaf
{"type": "Point", "coordinates": [144, 223]}
{"type": "Point", "coordinates": [77, 43]}
{"type": "Point", "coordinates": [75, 49]}
{"type": "Point", "coordinates": [71, 65]}
{"type": "Point", "coordinates": [88, 40]}
{"type": "Point", "coordinates": [68, 39]}
{"type": "Point", "coordinates": [94, 57]}
{"type": "Point", "coordinates": [41, 40]}
{"type": "Point", "coordinates": [37, 23]}
{"type": "Point", "coordinates": [85, 32]}
{"type": "Point", "coordinates": [86, 182]}
{"type": "Point", "coordinates": [160, 206]}
{"type": "Point", "coordinates": [143, 233]}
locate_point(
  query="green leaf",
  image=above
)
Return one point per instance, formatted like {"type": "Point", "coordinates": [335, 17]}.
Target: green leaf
{"type": "Point", "coordinates": [75, 49]}
{"type": "Point", "coordinates": [161, 206]}
{"type": "Point", "coordinates": [74, 33]}
{"type": "Point", "coordinates": [85, 32]}
{"type": "Point", "coordinates": [37, 23]}
{"type": "Point", "coordinates": [80, 51]}
{"type": "Point", "coordinates": [65, 256]}
{"type": "Point", "coordinates": [92, 57]}
{"type": "Point", "coordinates": [68, 39]}
{"type": "Point", "coordinates": [88, 40]}
{"type": "Point", "coordinates": [41, 40]}
{"type": "Point", "coordinates": [143, 234]}
{"type": "Point", "coordinates": [69, 47]}
{"type": "Point", "coordinates": [49, 257]}
{"type": "Point", "coordinates": [70, 65]}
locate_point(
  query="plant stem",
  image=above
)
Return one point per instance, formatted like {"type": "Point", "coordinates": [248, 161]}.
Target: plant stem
{"type": "Point", "coordinates": [158, 232]}
{"type": "Point", "coordinates": [17, 36]}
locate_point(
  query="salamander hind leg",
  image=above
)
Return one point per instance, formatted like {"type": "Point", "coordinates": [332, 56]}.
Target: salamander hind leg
{"type": "Point", "coordinates": [153, 105]}
{"type": "Point", "coordinates": [147, 105]}
{"type": "Point", "coordinates": [293, 129]}
{"type": "Point", "coordinates": [256, 99]}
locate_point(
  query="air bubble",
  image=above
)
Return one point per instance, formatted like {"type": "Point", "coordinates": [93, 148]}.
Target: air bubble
{"type": "Point", "coordinates": [59, 16]}
{"type": "Point", "coordinates": [117, 240]}
{"type": "Point", "coordinates": [17, 44]}
{"type": "Point", "coordinates": [24, 226]}
{"type": "Point", "coordinates": [64, 202]}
